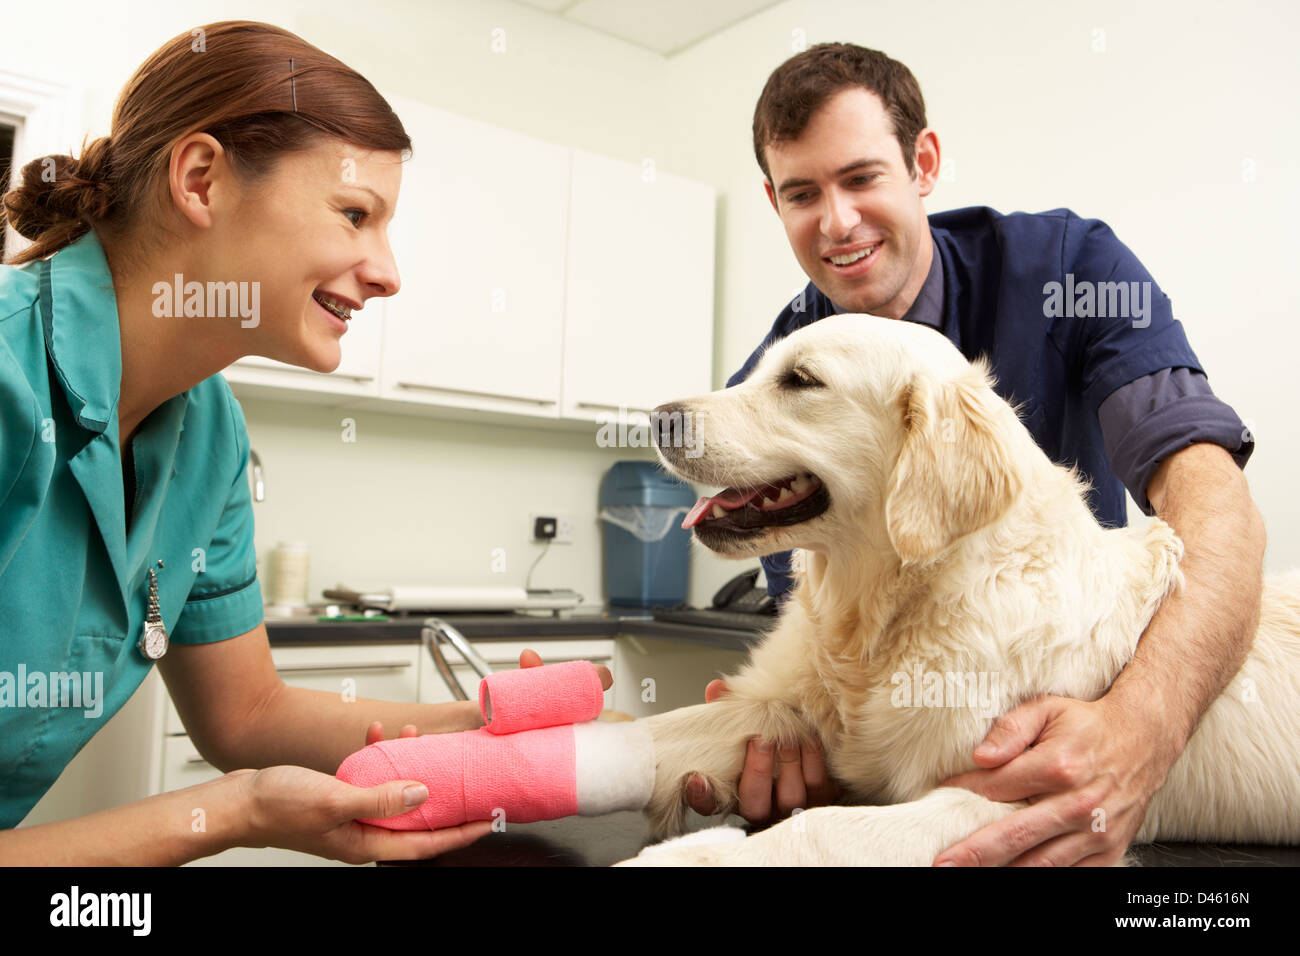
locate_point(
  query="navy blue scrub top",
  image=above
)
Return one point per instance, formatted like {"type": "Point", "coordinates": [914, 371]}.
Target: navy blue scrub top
{"type": "Point", "coordinates": [73, 579]}
{"type": "Point", "coordinates": [1113, 393]}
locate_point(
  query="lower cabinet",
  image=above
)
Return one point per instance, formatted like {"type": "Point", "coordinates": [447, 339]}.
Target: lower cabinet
{"type": "Point", "coordinates": [654, 676]}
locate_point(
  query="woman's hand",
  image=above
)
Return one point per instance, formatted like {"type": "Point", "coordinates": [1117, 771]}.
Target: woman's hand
{"type": "Point", "coordinates": [528, 658]}
{"type": "Point", "coordinates": [299, 809]}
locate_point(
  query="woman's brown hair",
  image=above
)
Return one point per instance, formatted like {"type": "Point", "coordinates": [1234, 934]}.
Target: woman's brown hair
{"type": "Point", "coordinates": [257, 89]}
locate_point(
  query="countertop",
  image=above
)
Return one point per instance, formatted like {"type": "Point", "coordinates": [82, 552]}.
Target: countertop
{"type": "Point", "coordinates": [602, 623]}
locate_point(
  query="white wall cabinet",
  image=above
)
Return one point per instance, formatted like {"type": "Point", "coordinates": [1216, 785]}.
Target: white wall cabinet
{"type": "Point", "coordinates": [639, 316]}
{"type": "Point", "coordinates": [479, 241]}
{"type": "Point", "coordinates": [537, 281]}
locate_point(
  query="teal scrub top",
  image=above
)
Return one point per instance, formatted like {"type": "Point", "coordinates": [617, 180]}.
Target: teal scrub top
{"type": "Point", "coordinates": [74, 583]}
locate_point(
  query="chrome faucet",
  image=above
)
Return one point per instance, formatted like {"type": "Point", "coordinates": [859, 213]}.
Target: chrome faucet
{"type": "Point", "coordinates": [259, 486]}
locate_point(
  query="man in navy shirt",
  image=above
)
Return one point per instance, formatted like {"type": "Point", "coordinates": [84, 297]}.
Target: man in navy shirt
{"type": "Point", "coordinates": [1081, 337]}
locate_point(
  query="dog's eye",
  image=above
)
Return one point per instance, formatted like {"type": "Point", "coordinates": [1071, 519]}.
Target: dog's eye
{"type": "Point", "coordinates": [799, 378]}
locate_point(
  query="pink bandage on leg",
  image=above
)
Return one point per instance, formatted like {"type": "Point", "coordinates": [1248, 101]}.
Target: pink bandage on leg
{"type": "Point", "coordinates": [530, 776]}
{"type": "Point", "coordinates": [533, 697]}
{"type": "Point", "coordinates": [542, 774]}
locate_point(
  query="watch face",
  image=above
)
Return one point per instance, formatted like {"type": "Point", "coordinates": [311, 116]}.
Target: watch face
{"type": "Point", "coordinates": [154, 641]}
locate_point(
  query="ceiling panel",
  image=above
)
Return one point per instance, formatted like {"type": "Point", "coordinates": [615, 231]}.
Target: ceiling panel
{"type": "Point", "coordinates": [665, 26]}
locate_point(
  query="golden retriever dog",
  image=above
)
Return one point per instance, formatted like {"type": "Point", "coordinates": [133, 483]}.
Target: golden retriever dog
{"type": "Point", "coordinates": [950, 571]}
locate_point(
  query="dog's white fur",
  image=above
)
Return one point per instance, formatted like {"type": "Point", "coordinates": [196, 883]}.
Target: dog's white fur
{"type": "Point", "coordinates": [952, 544]}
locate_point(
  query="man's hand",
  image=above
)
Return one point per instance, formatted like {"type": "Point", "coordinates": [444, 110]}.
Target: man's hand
{"type": "Point", "coordinates": [1090, 770]}
{"type": "Point", "coordinates": [529, 658]}
{"type": "Point", "coordinates": [803, 783]}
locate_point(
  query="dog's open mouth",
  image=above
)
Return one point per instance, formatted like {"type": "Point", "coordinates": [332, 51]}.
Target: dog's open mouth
{"type": "Point", "coordinates": [788, 501]}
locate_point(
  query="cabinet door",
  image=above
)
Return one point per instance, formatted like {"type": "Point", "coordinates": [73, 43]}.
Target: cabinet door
{"type": "Point", "coordinates": [639, 304]}
{"type": "Point", "coordinates": [654, 676]}
{"type": "Point", "coordinates": [370, 671]}
{"type": "Point", "coordinates": [479, 237]}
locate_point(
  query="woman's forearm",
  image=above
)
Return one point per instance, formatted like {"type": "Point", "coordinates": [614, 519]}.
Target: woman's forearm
{"type": "Point", "coordinates": [318, 729]}
{"type": "Point", "coordinates": [163, 830]}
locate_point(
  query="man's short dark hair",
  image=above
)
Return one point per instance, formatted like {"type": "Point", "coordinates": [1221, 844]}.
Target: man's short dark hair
{"type": "Point", "coordinates": [802, 84]}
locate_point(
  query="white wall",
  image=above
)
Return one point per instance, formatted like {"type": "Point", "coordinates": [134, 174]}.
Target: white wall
{"type": "Point", "coordinates": [421, 500]}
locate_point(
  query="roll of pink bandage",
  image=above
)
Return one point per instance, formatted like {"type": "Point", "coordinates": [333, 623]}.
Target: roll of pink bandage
{"type": "Point", "coordinates": [542, 774]}
{"type": "Point", "coordinates": [535, 697]}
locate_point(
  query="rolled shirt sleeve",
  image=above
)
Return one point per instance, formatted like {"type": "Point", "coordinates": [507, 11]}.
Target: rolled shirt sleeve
{"type": "Point", "coordinates": [226, 598]}
{"type": "Point", "coordinates": [1151, 418]}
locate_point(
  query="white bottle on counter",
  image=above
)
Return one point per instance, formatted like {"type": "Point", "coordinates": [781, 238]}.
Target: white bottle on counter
{"type": "Point", "coordinates": [289, 565]}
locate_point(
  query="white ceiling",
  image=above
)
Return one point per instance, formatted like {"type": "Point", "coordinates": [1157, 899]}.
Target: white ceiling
{"type": "Point", "coordinates": [665, 26]}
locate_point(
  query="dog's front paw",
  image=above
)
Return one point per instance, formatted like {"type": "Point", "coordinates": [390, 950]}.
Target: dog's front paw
{"type": "Point", "coordinates": [686, 743]}
{"type": "Point", "coordinates": [711, 740]}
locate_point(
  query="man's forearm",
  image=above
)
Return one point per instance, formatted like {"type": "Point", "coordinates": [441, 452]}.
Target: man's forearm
{"type": "Point", "coordinates": [1199, 638]}
{"type": "Point", "coordinates": [318, 729]}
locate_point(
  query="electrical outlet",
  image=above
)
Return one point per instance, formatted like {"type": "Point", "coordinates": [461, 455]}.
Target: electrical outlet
{"type": "Point", "coordinates": [564, 529]}
{"type": "Point", "coordinates": [560, 527]}
{"type": "Point", "coordinates": [561, 523]}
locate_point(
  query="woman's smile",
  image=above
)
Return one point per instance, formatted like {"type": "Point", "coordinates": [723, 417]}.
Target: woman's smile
{"type": "Point", "coordinates": [336, 310]}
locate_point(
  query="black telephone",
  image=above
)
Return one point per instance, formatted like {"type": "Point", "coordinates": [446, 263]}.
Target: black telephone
{"type": "Point", "coordinates": [739, 594]}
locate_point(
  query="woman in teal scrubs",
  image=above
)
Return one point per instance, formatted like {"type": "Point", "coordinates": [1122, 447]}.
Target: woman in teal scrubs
{"type": "Point", "coordinates": [247, 177]}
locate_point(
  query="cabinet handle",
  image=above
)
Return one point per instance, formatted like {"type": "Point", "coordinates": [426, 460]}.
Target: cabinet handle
{"type": "Point", "coordinates": [507, 663]}
{"type": "Point", "coordinates": [614, 408]}
{"type": "Point", "coordinates": [191, 760]}
{"type": "Point", "coordinates": [477, 394]}
{"type": "Point", "coordinates": [304, 371]}
{"type": "Point", "coordinates": [359, 666]}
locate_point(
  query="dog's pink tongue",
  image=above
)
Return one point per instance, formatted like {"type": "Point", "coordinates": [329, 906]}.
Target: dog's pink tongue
{"type": "Point", "coordinates": [729, 500]}
{"type": "Point", "coordinates": [696, 514]}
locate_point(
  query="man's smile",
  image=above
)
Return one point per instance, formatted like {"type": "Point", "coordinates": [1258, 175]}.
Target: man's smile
{"type": "Point", "coordinates": [854, 261]}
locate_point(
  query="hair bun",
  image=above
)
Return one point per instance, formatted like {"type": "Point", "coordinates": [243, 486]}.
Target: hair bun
{"type": "Point", "coordinates": [58, 192]}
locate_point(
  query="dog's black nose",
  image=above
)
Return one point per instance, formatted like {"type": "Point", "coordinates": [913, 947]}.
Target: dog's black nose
{"type": "Point", "coordinates": [666, 426]}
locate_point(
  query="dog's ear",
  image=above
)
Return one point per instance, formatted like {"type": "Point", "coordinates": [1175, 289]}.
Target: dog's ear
{"type": "Point", "coordinates": [954, 473]}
